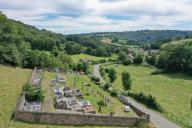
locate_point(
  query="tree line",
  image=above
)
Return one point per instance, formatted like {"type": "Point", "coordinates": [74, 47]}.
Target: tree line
{"type": "Point", "coordinates": [173, 58]}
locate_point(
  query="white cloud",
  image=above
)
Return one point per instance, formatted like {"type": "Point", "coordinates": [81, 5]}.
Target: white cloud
{"type": "Point", "coordinates": [79, 16]}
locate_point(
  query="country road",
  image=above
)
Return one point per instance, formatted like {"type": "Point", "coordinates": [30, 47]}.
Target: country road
{"type": "Point", "coordinates": [157, 119]}
{"type": "Point", "coordinates": [97, 73]}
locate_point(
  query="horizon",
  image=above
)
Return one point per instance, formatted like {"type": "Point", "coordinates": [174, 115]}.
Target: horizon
{"type": "Point", "coordinates": [81, 17]}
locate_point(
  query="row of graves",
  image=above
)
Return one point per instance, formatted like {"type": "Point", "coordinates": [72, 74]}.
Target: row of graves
{"type": "Point", "coordinates": [28, 104]}
{"type": "Point", "coordinates": [68, 98]}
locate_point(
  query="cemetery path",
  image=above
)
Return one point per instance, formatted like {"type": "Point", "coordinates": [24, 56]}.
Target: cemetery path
{"type": "Point", "coordinates": [158, 120]}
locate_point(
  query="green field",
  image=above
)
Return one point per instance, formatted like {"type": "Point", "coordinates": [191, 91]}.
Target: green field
{"type": "Point", "coordinates": [172, 91]}
{"type": "Point", "coordinates": [77, 57]}
{"type": "Point", "coordinates": [176, 42]}
{"type": "Point", "coordinates": [11, 82]}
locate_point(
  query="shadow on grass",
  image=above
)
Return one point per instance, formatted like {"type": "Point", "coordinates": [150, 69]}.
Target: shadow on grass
{"type": "Point", "coordinates": [172, 75]}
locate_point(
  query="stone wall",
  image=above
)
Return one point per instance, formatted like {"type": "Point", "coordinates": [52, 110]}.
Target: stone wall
{"type": "Point", "coordinates": [75, 119]}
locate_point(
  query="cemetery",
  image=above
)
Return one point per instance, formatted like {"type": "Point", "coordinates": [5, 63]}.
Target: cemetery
{"type": "Point", "coordinates": [68, 98]}
{"type": "Point", "coordinates": [75, 101]}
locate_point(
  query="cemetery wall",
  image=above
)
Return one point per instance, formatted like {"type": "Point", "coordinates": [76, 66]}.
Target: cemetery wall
{"type": "Point", "coordinates": [75, 119]}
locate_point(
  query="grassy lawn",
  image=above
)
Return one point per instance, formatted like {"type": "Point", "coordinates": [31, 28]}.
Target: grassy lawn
{"type": "Point", "coordinates": [77, 57]}
{"type": "Point", "coordinates": [172, 91]}
{"type": "Point", "coordinates": [48, 104]}
{"type": "Point", "coordinates": [11, 82]}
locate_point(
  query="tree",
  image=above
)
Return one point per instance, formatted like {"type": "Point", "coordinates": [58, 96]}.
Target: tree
{"type": "Point", "coordinates": [127, 61]}
{"type": "Point", "coordinates": [73, 48]}
{"type": "Point", "coordinates": [107, 86]}
{"type": "Point", "coordinates": [151, 59]}
{"type": "Point", "coordinates": [115, 40]}
{"type": "Point", "coordinates": [55, 51]}
{"type": "Point", "coordinates": [65, 59]}
{"type": "Point", "coordinates": [112, 74]}
{"type": "Point", "coordinates": [138, 59]}
{"type": "Point", "coordinates": [34, 58]}
{"type": "Point", "coordinates": [11, 55]}
{"type": "Point", "coordinates": [126, 80]}
{"type": "Point", "coordinates": [162, 59]}
{"type": "Point", "coordinates": [122, 56]}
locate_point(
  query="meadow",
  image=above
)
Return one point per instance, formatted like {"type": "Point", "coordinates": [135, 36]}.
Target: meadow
{"type": "Point", "coordinates": [77, 57]}
{"type": "Point", "coordinates": [172, 91]}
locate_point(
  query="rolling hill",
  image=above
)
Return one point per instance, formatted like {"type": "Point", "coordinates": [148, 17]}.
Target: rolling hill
{"type": "Point", "coordinates": [143, 36]}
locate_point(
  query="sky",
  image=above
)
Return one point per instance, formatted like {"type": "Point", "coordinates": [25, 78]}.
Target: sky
{"type": "Point", "coordinates": [84, 16]}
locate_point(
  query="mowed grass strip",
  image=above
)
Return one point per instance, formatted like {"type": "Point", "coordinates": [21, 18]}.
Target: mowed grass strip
{"type": "Point", "coordinates": [11, 82]}
{"type": "Point", "coordinates": [172, 91]}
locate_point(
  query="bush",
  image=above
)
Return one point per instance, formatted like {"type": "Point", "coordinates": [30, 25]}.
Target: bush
{"type": "Point", "coordinates": [101, 103]}
{"type": "Point", "coordinates": [106, 70]}
{"type": "Point", "coordinates": [113, 92]}
{"type": "Point", "coordinates": [127, 61]}
{"type": "Point", "coordinates": [107, 86]}
{"type": "Point", "coordinates": [102, 71]}
{"type": "Point", "coordinates": [149, 100]}
{"type": "Point", "coordinates": [138, 59]}
{"type": "Point", "coordinates": [94, 78]}
{"type": "Point", "coordinates": [33, 93]}
{"type": "Point", "coordinates": [102, 61]}
{"type": "Point", "coordinates": [157, 72]}
{"type": "Point", "coordinates": [112, 75]}
{"type": "Point", "coordinates": [126, 80]}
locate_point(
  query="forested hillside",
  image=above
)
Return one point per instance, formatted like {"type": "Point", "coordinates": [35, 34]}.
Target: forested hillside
{"type": "Point", "coordinates": [175, 56]}
{"type": "Point", "coordinates": [27, 46]}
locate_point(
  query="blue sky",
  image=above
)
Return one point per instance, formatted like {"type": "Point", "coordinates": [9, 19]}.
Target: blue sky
{"type": "Point", "coordinates": [82, 16]}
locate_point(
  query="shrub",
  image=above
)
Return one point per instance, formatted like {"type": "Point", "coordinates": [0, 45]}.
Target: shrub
{"type": "Point", "coordinates": [126, 80]}
{"type": "Point", "coordinates": [127, 61]}
{"type": "Point", "coordinates": [112, 75]}
{"type": "Point", "coordinates": [102, 61]}
{"type": "Point", "coordinates": [102, 71]}
{"type": "Point", "coordinates": [94, 78]}
{"type": "Point", "coordinates": [157, 72]}
{"type": "Point", "coordinates": [113, 92]}
{"type": "Point", "coordinates": [33, 93]}
{"type": "Point", "coordinates": [101, 103]}
{"type": "Point", "coordinates": [148, 100]}
{"type": "Point", "coordinates": [106, 70]}
{"type": "Point", "coordinates": [138, 59]}
{"type": "Point", "coordinates": [107, 85]}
